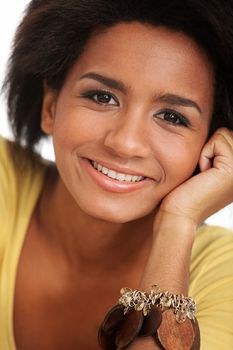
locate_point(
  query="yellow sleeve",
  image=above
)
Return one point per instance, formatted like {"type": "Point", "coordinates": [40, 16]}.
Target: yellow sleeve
{"type": "Point", "coordinates": [7, 188]}
{"type": "Point", "coordinates": [22, 176]}
{"type": "Point", "coordinates": [4, 172]}
{"type": "Point", "coordinates": [211, 285]}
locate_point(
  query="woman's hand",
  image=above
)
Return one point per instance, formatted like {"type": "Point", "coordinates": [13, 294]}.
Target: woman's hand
{"type": "Point", "coordinates": [180, 212]}
{"type": "Point", "coordinates": [210, 190]}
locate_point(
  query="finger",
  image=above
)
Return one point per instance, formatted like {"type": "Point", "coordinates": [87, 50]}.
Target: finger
{"type": "Point", "coordinates": [227, 134]}
{"type": "Point", "coordinates": [204, 163]}
{"type": "Point", "coordinates": [218, 151]}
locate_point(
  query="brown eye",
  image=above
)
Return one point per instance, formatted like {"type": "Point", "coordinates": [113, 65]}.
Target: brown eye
{"type": "Point", "coordinates": [173, 118]}
{"type": "Point", "coordinates": [101, 97]}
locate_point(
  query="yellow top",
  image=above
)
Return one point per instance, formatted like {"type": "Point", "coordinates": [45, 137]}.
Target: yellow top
{"type": "Point", "coordinates": [211, 271]}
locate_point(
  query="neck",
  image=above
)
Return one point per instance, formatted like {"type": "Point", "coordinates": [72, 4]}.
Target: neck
{"type": "Point", "coordinates": [90, 242]}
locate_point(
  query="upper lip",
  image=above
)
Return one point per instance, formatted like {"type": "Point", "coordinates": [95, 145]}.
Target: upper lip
{"type": "Point", "coordinates": [119, 169]}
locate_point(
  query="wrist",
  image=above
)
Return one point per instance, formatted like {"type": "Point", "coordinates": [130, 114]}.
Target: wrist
{"type": "Point", "coordinates": [169, 260]}
{"type": "Point", "coordinates": [177, 226]}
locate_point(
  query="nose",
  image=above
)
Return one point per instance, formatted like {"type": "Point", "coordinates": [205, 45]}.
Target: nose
{"type": "Point", "coordinates": [128, 136]}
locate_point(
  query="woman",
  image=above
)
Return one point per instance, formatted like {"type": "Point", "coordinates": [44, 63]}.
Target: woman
{"type": "Point", "coordinates": [137, 97]}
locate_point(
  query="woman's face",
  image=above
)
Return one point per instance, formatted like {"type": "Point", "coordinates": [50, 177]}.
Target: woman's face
{"type": "Point", "coordinates": [137, 102]}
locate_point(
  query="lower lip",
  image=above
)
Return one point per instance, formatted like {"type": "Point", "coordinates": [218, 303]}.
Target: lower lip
{"type": "Point", "coordinates": [110, 184]}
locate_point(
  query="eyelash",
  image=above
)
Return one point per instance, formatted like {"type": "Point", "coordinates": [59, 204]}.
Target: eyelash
{"type": "Point", "coordinates": [182, 121]}
{"type": "Point", "coordinates": [91, 94]}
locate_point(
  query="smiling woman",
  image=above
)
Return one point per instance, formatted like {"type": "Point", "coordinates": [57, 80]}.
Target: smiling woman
{"type": "Point", "coordinates": [138, 100]}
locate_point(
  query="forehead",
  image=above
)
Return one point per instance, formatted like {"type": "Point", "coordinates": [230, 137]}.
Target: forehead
{"type": "Point", "coordinates": [150, 57]}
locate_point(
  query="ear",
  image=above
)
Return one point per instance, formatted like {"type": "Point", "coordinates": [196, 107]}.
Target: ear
{"type": "Point", "coordinates": [48, 110]}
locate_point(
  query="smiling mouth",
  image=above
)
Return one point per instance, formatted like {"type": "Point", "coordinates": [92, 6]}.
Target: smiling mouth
{"type": "Point", "coordinates": [115, 175]}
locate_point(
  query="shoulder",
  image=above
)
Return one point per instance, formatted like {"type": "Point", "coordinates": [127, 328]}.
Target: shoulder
{"type": "Point", "coordinates": [17, 166]}
{"type": "Point", "coordinates": [211, 285]}
{"type": "Point", "coordinates": [212, 240]}
{"type": "Point", "coordinates": [4, 157]}
{"type": "Point", "coordinates": [212, 256]}
{"type": "Point", "coordinates": [6, 173]}
{"type": "Point", "coordinates": [21, 177]}
{"type": "Point", "coordinates": [212, 259]}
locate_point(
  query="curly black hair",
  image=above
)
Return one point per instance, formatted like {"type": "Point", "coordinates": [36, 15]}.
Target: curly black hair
{"type": "Point", "coordinates": [53, 34]}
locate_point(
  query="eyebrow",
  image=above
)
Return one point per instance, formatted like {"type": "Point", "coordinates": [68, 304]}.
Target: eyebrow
{"type": "Point", "coordinates": [171, 99]}
{"type": "Point", "coordinates": [178, 101]}
{"type": "Point", "coordinates": [111, 83]}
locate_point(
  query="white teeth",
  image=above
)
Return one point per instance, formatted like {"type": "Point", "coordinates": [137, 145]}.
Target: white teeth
{"type": "Point", "coordinates": [114, 175]}
{"type": "Point", "coordinates": [104, 170]}
{"type": "Point", "coordinates": [128, 178]}
{"type": "Point", "coordinates": [120, 177]}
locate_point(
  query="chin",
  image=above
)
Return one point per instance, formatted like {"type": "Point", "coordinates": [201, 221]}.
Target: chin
{"type": "Point", "coordinates": [115, 214]}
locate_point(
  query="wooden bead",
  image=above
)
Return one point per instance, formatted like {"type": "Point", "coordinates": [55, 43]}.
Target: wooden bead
{"type": "Point", "coordinates": [129, 328]}
{"type": "Point", "coordinates": [113, 318]}
{"type": "Point", "coordinates": [106, 341]}
{"type": "Point", "coordinates": [174, 335]}
{"type": "Point", "coordinates": [151, 322]}
{"type": "Point", "coordinates": [197, 341]}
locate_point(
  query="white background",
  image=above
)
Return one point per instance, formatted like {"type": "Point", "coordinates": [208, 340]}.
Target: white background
{"type": "Point", "coordinates": [10, 14]}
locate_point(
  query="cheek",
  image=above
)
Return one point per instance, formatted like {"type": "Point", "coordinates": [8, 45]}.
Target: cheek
{"type": "Point", "coordinates": [75, 125]}
{"type": "Point", "coordinates": [74, 129]}
{"type": "Point", "coordinates": [179, 161]}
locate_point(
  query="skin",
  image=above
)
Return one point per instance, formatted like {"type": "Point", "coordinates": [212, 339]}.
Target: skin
{"type": "Point", "coordinates": [80, 232]}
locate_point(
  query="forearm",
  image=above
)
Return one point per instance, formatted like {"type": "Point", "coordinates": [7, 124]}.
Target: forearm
{"type": "Point", "coordinates": [169, 260]}
{"type": "Point", "coordinates": [168, 264]}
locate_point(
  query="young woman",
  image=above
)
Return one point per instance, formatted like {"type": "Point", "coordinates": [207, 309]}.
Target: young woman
{"type": "Point", "coordinates": [138, 98]}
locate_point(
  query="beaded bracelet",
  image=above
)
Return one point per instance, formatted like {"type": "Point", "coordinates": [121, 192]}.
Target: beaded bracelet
{"type": "Point", "coordinates": [169, 318]}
